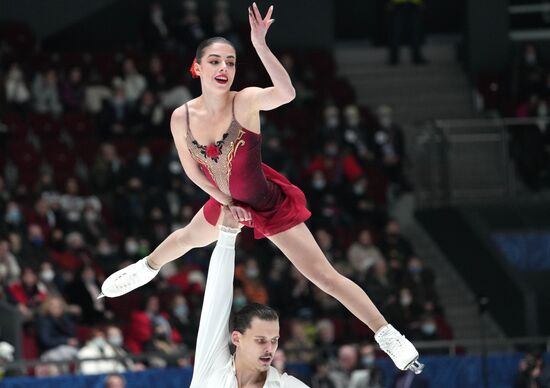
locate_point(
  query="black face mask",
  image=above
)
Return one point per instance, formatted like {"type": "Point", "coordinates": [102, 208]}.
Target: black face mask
{"type": "Point", "coordinates": [58, 245]}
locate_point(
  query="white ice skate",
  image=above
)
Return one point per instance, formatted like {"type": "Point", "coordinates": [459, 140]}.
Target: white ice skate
{"type": "Point", "coordinates": [402, 352]}
{"type": "Point", "coordinates": [127, 279]}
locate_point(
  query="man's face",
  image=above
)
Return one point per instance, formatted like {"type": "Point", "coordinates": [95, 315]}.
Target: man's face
{"type": "Point", "coordinates": [257, 345]}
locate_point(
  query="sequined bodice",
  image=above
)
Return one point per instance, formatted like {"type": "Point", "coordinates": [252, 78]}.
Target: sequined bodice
{"type": "Point", "coordinates": [234, 164]}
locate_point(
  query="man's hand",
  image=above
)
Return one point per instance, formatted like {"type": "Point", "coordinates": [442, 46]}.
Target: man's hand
{"type": "Point", "coordinates": [228, 220]}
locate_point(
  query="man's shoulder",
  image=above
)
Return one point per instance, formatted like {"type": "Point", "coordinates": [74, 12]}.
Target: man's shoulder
{"type": "Point", "coordinates": [288, 381]}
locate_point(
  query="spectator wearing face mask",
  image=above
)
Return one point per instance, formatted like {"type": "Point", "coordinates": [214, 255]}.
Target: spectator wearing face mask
{"type": "Point", "coordinates": [391, 144]}
{"type": "Point", "coordinates": [239, 298]}
{"type": "Point", "coordinates": [406, 312]}
{"type": "Point", "coordinates": [320, 378]}
{"type": "Point", "coordinates": [34, 250]}
{"type": "Point", "coordinates": [395, 247]}
{"type": "Point", "coordinates": [48, 277]}
{"type": "Point", "coordinates": [130, 209]}
{"type": "Point", "coordinates": [326, 340]}
{"type": "Point", "coordinates": [368, 374]}
{"type": "Point", "coordinates": [420, 280]}
{"type": "Point", "coordinates": [347, 363]}
{"type": "Point", "coordinates": [147, 116]}
{"type": "Point", "coordinates": [13, 218]}
{"type": "Point", "coordinates": [9, 268]}
{"type": "Point", "coordinates": [98, 347]}
{"type": "Point", "coordinates": [28, 292]}
{"type": "Point", "coordinates": [428, 330]}
{"type": "Point", "coordinates": [331, 129]}
{"type": "Point", "coordinates": [115, 339]}
{"type": "Point", "coordinates": [357, 136]}
{"type": "Point", "coordinates": [148, 324]}
{"type": "Point", "coordinates": [380, 284]}
{"type": "Point", "coordinates": [106, 256]}
{"type": "Point", "coordinates": [16, 89]}
{"type": "Point", "coordinates": [134, 83]}
{"type": "Point", "coordinates": [363, 254]}
{"type": "Point", "coordinates": [182, 320]}
{"type": "Point", "coordinates": [162, 342]}
{"type": "Point", "coordinates": [299, 347]}
{"type": "Point", "coordinates": [83, 292]}
{"type": "Point", "coordinates": [45, 93]}
{"type": "Point", "coordinates": [114, 381]}
{"type": "Point", "coordinates": [249, 275]}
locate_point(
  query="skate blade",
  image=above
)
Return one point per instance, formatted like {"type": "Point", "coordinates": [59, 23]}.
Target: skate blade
{"type": "Point", "coordinates": [101, 295]}
{"type": "Point", "coordinates": [416, 367]}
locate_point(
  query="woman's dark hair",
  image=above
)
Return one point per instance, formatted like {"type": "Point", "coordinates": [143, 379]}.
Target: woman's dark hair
{"type": "Point", "coordinates": [207, 42]}
{"type": "Point", "coordinates": [241, 319]}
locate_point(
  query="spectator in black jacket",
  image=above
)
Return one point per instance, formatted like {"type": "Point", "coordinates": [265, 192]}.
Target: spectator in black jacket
{"type": "Point", "coordinates": [56, 331]}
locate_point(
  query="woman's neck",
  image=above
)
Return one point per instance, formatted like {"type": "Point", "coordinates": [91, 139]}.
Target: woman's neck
{"type": "Point", "coordinates": [214, 104]}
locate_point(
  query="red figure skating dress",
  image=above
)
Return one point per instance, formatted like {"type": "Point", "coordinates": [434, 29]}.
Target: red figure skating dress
{"type": "Point", "coordinates": [234, 165]}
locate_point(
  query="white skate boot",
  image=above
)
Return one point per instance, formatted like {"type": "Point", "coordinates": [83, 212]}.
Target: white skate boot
{"type": "Point", "coordinates": [127, 279]}
{"type": "Point", "coordinates": [401, 350]}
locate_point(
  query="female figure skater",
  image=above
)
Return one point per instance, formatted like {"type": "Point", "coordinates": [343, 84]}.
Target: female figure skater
{"type": "Point", "coordinates": [218, 139]}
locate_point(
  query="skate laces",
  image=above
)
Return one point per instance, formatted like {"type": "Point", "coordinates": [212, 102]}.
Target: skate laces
{"type": "Point", "coordinates": [392, 344]}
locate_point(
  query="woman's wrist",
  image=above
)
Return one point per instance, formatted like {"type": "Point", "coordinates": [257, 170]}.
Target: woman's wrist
{"type": "Point", "coordinates": [259, 45]}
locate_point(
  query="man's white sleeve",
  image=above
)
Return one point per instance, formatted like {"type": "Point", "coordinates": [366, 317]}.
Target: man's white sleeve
{"type": "Point", "coordinates": [212, 351]}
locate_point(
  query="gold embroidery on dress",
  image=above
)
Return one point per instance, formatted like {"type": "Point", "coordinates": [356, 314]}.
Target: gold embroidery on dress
{"type": "Point", "coordinates": [233, 151]}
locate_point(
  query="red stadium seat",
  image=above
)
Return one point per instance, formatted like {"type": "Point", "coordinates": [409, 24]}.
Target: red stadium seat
{"type": "Point", "coordinates": [126, 148]}
{"type": "Point", "coordinates": [18, 36]}
{"type": "Point", "coordinates": [78, 125]}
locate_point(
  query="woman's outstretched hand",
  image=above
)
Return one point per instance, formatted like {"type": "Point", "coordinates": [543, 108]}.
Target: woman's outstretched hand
{"type": "Point", "coordinates": [259, 26]}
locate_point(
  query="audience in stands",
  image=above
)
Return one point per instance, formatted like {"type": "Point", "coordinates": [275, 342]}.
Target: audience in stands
{"type": "Point", "coordinates": [524, 93]}
{"type": "Point", "coordinates": [90, 180]}
{"type": "Point", "coordinates": [114, 381]}
{"type": "Point", "coordinates": [56, 331]}
{"type": "Point", "coordinates": [98, 347]}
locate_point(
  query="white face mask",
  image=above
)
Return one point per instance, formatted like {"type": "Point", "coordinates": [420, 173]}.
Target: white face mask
{"type": "Point", "coordinates": [115, 340]}
{"type": "Point", "coordinates": [131, 247]}
{"type": "Point", "coordinates": [332, 122]}
{"type": "Point", "coordinates": [318, 184]}
{"type": "Point", "coordinates": [144, 160]}
{"type": "Point", "coordinates": [428, 328]}
{"type": "Point", "coordinates": [252, 273]}
{"type": "Point", "coordinates": [47, 275]}
{"type": "Point", "coordinates": [385, 122]}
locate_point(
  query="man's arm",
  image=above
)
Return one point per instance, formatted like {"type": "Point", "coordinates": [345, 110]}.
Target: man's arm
{"type": "Point", "coordinates": [212, 349]}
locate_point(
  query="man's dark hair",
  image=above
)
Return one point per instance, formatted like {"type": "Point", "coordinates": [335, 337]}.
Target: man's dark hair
{"type": "Point", "coordinates": [241, 319]}
{"type": "Point", "coordinates": [207, 42]}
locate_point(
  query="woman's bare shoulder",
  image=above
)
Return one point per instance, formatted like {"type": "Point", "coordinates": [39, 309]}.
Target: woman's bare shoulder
{"type": "Point", "coordinates": [179, 117]}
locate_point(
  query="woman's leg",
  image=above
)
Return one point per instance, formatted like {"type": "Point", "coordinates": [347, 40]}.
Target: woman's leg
{"type": "Point", "coordinates": [198, 233]}
{"type": "Point", "coordinates": [303, 251]}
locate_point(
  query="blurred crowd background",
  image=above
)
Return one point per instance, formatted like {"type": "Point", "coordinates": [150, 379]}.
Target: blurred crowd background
{"type": "Point", "coordinates": [91, 182]}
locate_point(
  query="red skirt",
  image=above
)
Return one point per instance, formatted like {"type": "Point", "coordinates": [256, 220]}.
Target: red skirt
{"type": "Point", "coordinates": [289, 211]}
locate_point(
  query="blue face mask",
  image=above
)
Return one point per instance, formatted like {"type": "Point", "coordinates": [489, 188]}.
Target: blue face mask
{"type": "Point", "coordinates": [181, 311]}
{"type": "Point", "coordinates": [99, 342]}
{"type": "Point", "coordinates": [13, 216]}
{"type": "Point", "coordinates": [239, 302]}
{"type": "Point", "coordinates": [37, 241]}
{"type": "Point", "coordinates": [368, 360]}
